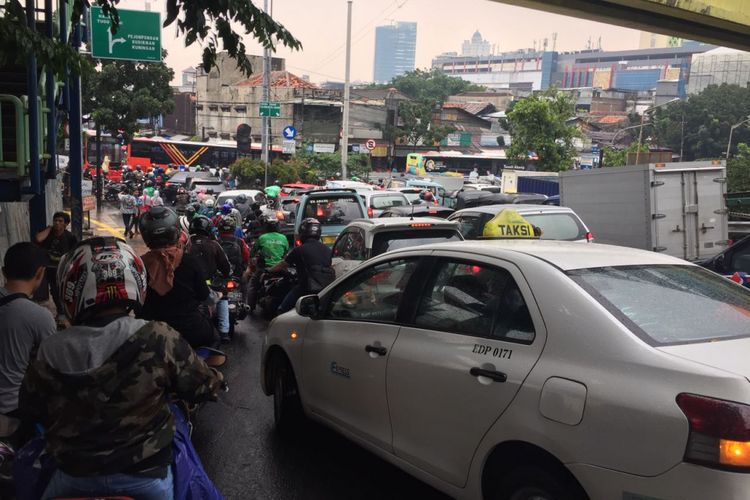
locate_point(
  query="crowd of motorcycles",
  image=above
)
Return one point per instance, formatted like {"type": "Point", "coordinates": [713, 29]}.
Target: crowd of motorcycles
{"type": "Point", "coordinates": [231, 292]}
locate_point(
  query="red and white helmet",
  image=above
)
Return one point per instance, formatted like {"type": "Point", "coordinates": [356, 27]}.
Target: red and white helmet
{"type": "Point", "coordinates": [100, 272]}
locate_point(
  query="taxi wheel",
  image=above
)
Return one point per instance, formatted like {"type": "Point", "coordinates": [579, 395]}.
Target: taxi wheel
{"type": "Point", "coordinates": [530, 482]}
{"type": "Point", "coordinates": [287, 408]}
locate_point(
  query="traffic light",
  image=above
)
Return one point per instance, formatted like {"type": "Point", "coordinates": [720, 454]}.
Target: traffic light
{"type": "Point", "coordinates": [243, 138]}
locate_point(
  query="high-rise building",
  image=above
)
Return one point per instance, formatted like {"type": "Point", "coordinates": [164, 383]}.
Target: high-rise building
{"type": "Point", "coordinates": [395, 50]}
{"type": "Point", "coordinates": [476, 47]}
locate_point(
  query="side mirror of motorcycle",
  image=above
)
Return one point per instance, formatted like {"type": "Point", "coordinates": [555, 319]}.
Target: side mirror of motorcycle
{"type": "Point", "coordinates": [308, 306]}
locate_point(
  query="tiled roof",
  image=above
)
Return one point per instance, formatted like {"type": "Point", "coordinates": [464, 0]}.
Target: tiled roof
{"type": "Point", "coordinates": [609, 119]}
{"type": "Point", "coordinates": [278, 79]}
{"type": "Point", "coordinates": [475, 108]}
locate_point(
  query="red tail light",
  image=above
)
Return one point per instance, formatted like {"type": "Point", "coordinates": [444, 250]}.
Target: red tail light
{"type": "Point", "coordinates": [370, 212]}
{"type": "Point", "coordinates": [297, 243]}
{"type": "Point", "coordinates": [436, 202]}
{"type": "Point", "coordinates": [719, 432]}
{"type": "Point", "coordinates": [230, 284]}
{"type": "Point", "coordinates": [590, 237]}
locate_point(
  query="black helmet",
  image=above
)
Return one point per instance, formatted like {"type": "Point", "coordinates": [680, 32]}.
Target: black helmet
{"type": "Point", "coordinates": [270, 224]}
{"type": "Point", "coordinates": [227, 224]}
{"type": "Point", "coordinates": [190, 211]}
{"type": "Point", "coordinates": [276, 183]}
{"type": "Point", "coordinates": [241, 199]}
{"type": "Point", "coordinates": [201, 225]}
{"type": "Point", "coordinates": [310, 229]}
{"type": "Point", "coordinates": [159, 227]}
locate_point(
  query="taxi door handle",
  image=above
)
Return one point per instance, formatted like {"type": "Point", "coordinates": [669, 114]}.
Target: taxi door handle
{"type": "Point", "coordinates": [494, 375]}
{"type": "Point", "coordinates": [379, 350]}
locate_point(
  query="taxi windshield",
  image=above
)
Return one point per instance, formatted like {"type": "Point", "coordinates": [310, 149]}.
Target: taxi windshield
{"type": "Point", "coordinates": [668, 304]}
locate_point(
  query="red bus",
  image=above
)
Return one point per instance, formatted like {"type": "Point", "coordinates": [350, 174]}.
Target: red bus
{"type": "Point", "coordinates": [110, 147]}
{"type": "Point", "coordinates": [146, 152]}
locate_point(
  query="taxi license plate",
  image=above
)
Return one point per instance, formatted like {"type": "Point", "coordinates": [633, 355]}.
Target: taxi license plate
{"type": "Point", "coordinates": [328, 240]}
{"type": "Point", "coordinates": [235, 296]}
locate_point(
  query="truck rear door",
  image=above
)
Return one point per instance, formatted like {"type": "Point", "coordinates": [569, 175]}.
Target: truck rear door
{"type": "Point", "coordinates": [689, 219]}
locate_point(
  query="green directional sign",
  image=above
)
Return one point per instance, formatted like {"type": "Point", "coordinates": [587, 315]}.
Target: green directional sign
{"type": "Point", "coordinates": [272, 109]}
{"type": "Point", "coordinates": [138, 37]}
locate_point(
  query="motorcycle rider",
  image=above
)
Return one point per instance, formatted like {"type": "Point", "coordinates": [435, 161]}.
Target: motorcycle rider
{"type": "Point", "coordinates": [272, 194]}
{"type": "Point", "coordinates": [235, 248]}
{"type": "Point", "coordinates": [204, 246]}
{"type": "Point", "coordinates": [181, 200]}
{"type": "Point", "coordinates": [312, 260]}
{"type": "Point", "coordinates": [269, 249]}
{"type": "Point", "coordinates": [101, 389]}
{"type": "Point", "coordinates": [176, 287]}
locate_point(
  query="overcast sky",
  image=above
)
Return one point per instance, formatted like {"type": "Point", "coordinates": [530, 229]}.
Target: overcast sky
{"type": "Point", "coordinates": [442, 26]}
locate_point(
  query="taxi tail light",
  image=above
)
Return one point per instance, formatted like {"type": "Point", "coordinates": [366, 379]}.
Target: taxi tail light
{"type": "Point", "coordinates": [370, 212]}
{"type": "Point", "coordinates": [719, 432]}
{"type": "Point", "coordinates": [590, 237]}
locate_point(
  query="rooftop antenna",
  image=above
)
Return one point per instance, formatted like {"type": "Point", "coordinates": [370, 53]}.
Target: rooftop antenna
{"type": "Point", "coordinates": [554, 41]}
{"type": "Point", "coordinates": [544, 44]}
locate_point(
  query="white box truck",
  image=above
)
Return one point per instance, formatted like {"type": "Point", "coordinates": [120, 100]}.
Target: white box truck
{"type": "Point", "coordinates": [675, 208]}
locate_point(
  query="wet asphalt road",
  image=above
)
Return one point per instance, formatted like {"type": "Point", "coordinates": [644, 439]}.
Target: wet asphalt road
{"type": "Point", "coordinates": [248, 460]}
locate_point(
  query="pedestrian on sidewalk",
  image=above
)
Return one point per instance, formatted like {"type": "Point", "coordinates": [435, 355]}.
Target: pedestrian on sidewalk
{"type": "Point", "coordinates": [129, 211]}
{"type": "Point", "coordinates": [57, 241]}
{"type": "Point", "coordinates": [23, 326]}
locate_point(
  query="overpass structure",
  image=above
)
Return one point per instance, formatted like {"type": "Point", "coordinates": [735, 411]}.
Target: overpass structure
{"type": "Point", "coordinates": [721, 22]}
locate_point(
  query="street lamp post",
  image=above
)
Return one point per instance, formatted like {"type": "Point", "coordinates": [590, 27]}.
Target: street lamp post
{"type": "Point", "coordinates": [640, 133]}
{"type": "Point", "coordinates": [731, 131]}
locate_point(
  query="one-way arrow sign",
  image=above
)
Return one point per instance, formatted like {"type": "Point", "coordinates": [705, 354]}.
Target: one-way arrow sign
{"type": "Point", "coordinates": [289, 132]}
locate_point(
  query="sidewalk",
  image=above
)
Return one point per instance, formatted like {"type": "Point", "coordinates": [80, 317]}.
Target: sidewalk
{"type": "Point", "coordinates": [109, 223]}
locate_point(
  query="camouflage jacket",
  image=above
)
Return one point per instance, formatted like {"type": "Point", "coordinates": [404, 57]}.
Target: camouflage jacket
{"type": "Point", "coordinates": [102, 395]}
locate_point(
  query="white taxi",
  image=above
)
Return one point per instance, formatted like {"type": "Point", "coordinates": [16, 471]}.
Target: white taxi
{"type": "Point", "coordinates": [534, 369]}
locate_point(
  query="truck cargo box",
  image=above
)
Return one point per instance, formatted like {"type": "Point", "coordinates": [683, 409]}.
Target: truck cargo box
{"type": "Point", "coordinates": [674, 208]}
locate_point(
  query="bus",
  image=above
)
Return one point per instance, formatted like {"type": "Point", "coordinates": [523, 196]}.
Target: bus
{"type": "Point", "coordinates": [145, 152]}
{"type": "Point", "coordinates": [111, 148]}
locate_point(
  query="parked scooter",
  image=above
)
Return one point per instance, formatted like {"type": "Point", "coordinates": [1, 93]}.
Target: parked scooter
{"type": "Point", "coordinates": [234, 298]}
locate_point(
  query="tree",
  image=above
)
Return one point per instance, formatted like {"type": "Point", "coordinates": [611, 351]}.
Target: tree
{"type": "Point", "coordinates": [700, 125]}
{"type": "Point", "coordinates": [416, 123]}
{"type": "Point", "coordinates": [538, 123]}
{"type": "Point", "coordinates": [738, 170]}
{"type": "Point", "coordinates": [210, 23]}
{"type": "Point", "coordinates": [118, 93]}
{"type": "Point", "coordinates": [619, 157]}
{"type": "Point", "coordinates": [434, 85]}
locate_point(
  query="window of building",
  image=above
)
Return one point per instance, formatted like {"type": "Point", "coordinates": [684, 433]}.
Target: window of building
{"type": "Point", "coordinates": [240, 109]}
{"type": "Point", "coordinates": [213, 107]}
{"type": "Point", "coordinates": [226, 108]}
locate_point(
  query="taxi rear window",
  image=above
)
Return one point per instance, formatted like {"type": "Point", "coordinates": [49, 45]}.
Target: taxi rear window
{"type": "Point", "coordinates": [386, 241]}
{"type": "Point", "coordinates": [560, 226]}
{"type": "Point", "coordinates": [669, 305]}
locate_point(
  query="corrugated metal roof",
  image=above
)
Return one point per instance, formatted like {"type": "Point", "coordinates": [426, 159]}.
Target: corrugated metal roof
{"type": "Point", "coordinates": [278, 79]}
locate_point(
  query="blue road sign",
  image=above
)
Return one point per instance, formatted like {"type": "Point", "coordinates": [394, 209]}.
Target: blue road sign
{"type": "Point", "coordinates": [289, 132]}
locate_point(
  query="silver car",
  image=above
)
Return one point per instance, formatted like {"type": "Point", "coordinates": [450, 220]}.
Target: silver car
{"type": "Point", "coordinates": [528, 370]}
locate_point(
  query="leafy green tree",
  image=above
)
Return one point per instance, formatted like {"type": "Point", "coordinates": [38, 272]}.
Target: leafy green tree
{"type": "Point", "coordinates": [538, 123]}
{"type": "Point", "coordinates": [738, 170]}
{"type": "Point", "coordinates": [431, 85]}
{"type": "Point", "coordinates": [619, 157]}
{"type": "Point", "coordinates": [417, 125]}
{"type": "Point", "coordinates": [700, 125]}
{"type": "Point", "coordinates": [212, 24]}
{"type": "Point", "coordinates": [118, 93]}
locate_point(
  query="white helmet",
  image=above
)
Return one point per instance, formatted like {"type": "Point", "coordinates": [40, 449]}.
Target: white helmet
{"type": "Point", "coordinates": [209, 202]}
{"type": "Point", "coordinates": [100, 273]}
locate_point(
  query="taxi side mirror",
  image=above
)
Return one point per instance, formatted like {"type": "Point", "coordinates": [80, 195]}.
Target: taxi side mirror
{"type": "Point", "coordinates": [308, 306]}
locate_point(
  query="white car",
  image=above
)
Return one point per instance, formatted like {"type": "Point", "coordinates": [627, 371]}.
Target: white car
{"type": "Point", "coordinates": [556, 223]}
{"type": "Point", "coordinates": [378, 201]}
{"type": "Point", "coordinates": [530, 370]}
{"type": "Point", "coordinates": [363, 239]}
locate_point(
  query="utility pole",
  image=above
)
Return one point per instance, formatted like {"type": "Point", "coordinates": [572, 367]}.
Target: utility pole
{"type": "Point", "coordinates": [265, 120]}
{"type": "Point", "coordinates": [345, 121]}
{"type": "Point", "coordinates": [731, 132]}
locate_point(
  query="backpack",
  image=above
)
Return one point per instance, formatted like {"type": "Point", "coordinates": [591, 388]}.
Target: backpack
{"type": "Point", "coordinates": [197, 248]}
{"type": "Point", "coordinates": [233, 249]}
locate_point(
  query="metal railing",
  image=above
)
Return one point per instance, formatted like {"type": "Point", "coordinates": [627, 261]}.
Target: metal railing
{"type": "Point", "coordinates": [20, 122]}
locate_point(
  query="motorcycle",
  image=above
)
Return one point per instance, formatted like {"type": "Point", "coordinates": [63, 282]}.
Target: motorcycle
{"type": "Point", "coordinates": [273, 288]}
{"type": "Point", "coordinates": [231, 292]}
{"type": "Point", "coordinates": [113, 190]}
